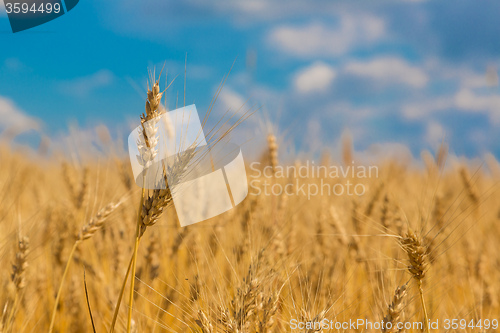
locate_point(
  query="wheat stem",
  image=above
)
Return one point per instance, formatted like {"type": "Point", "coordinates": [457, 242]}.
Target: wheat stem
{"type": "Point", "coordinates": [134, 258]}
{"type": "Point", "coordinates": [58, 296]}
{"type": "Point", "coordinates": [87, 231]}
{"type": "Point", "coordinates": [417, 254]}
{"type": "Point", "coordinates": [122, 291]}
{"type": "Point", "coordinates": [424, 308]}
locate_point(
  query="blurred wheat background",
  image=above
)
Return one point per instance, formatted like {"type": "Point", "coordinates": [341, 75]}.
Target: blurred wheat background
{"type": "Point", "coordinates": [256, 267]}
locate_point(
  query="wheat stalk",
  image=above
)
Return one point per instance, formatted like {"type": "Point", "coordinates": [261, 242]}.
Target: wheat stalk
{"type": "Point", "coordinates": [418, 256]}
{"type": "Point", "coordinates": [87, 231]}
{"type": "Point", "coordinates": [18, 275]}
{"type": "Point", "coordinates": [150, 209]}
{"type": "Point", "coordinates": [147, 149]}
{"type": "Point", "coordinates": [273, 151]}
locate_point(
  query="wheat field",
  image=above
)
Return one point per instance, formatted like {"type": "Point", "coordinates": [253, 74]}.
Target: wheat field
{"type": "Point", "coordinates": [420, 245]}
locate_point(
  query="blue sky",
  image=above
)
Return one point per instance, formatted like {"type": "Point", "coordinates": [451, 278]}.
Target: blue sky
{"type": "Point", "coordinates": [392, 73]}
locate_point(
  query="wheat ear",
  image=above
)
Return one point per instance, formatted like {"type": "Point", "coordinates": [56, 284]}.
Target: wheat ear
{"type": "Point", "coordinates": [273, 151]}
{"type": "Point", "coordinates": [395, 310]}
{"type": "Point", "coordinates": [86, 232]}
{"type": "Point", "coordinates": [147, 147]}
{"type": "Point", "coordinates": [203, 323]}
{"type": "Point", "coordinates": [268, 305]}
{"type": "Point", "coordinates": [318, 319]}
{"type": "Point", "coordinates": [19, 268]}
{"type": "Point", "coordinates": [417, 254]}
{"type": "Point", "coordinates": [19, 274]}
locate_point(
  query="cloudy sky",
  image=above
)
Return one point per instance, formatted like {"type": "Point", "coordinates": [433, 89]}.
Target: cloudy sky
{"type": "Point", "coordinates": [389, 72]}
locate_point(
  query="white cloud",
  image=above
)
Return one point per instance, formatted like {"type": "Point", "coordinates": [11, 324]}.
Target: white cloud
{"type": "Point", "coordinates": [13, 120]}
{"type": "Point", "coordinates": [491, 76]}
{"type": "Point", "coordinates": [474, 91]}
{"type": "Point", "coordinates": [83, 86]}
{"type": "Point", "coordinates": [389, 69]}
{"type": "Point", "coordinates": [423, 108]}
{"type": "Point", "coordinates": [314, 78]}
{"type": "Point", "coordinates": [467, 100]}
{"type": "Point", "coordinates": [231, 99]}
{"type": "Point", "coordinates": [318, 39]}
{"type": "Point", "coordinates": [472, 79]}
{"type": "Point", "coordinates": [269, 9]}
{"type": "Point", "coordinates": [462, 75]}
{"type": "Point", "coordinates": [435, 133]}
{"type": "Point", "coordinates": [247, 7]}
{"type": "Point", "coordinates": [14, 65]}
{"type": "Point", "coordinates": [239, 12]}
